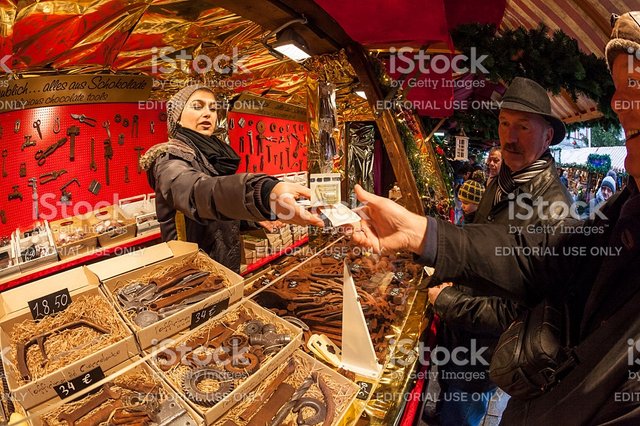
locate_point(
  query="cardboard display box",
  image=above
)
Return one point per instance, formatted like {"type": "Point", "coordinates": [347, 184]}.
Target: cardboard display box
{"type": "Point", "coordinates": [128, 370]}
{"type": "Point", "coordinates": [44, 296]}
{"type": "Point", "coordinates": [25, 244]}
{"type": "Point", "coordinates": [300, 366]}
{"type": "Point", "coordinates": [8, 261]}
{"type": "Point", "coordinates": [112, 225]}
{"type": "Point", "coordinates": [247, 384]}
{"type": "Point", "coordinates": [63, 228]}
{"type": "Point", "coordinates": [142, 208]}
{"type": "Point", "coordinates": [139, 265]}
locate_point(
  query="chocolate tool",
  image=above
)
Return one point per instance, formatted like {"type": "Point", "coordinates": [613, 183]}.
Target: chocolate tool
{"type": "Point", "coordinates": [84, 119]}
{"type": "Point", "coordinates": [36, 125]}
{"type": "Point", "coordinates": [72, 132]}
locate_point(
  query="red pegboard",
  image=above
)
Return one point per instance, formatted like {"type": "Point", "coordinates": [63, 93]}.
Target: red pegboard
{"type": "Point", "coordinates": [282, 131]}
{"type": "Point", "coordinates": [20, 213]}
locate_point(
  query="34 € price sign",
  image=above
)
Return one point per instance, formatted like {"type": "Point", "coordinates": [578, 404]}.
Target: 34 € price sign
{"type": "Point", "coordinates": [50, 304]}
{"type": "Point", "coordinates": [203, 315]}
{"type": "Point", "coordinates": [83, 381]}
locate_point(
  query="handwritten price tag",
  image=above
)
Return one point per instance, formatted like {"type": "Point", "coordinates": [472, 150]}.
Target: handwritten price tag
{"type": "Point", "coordinates": [205, 314]}
{"type": "Point", "coordinates": [78, 384]}
{"type": "Point", "coordinates": [50, 304]}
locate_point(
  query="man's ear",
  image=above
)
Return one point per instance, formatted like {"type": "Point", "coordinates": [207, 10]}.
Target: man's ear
{"type": "Point", "coordinates": [549, 136]}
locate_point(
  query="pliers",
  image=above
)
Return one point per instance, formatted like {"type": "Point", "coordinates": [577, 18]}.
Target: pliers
{"type": "Point", "coordinates": [48, 177]}
{"type": "Point", "coordinates": [84, 119]}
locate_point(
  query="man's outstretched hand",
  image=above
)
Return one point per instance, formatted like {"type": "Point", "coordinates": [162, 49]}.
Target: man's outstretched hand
{"type": "Point", "coordinates": [386, 225]}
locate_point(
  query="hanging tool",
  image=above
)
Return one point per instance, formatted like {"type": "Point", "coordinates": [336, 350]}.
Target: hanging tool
{"type": "Point", "coordinates": [288, 159]}
{"type": "Point", "coordinates": [105, 125]}
{"type": "Point", "coordinates": [94, 187]}
{"type": "Point", "coordinates": [66, 195]}
{"type": "Point", "coordinates": [16, 126]}
{"type": "Point", "coordinates": [126, 174]}
{"type": "Point", "coordinates": [121, 139]}
{"type": "Point", "coordinates": [152, 127]}
{"type": "Point", "coordinates": [84, 119]}
{"type": "Point", "coordinates": [117, 118]}
{"type": "Point", "coordinates": [261, 163]}
{"type": "Point", "coordinates": [92, 165]}
{"type": "Point", "coordinates": [139, 150]}
{"type": "Point", "coordinates": [27, 142]}
{"type": "Point", "coordinates": [41, 155]}
{"type": "Point", "coordinates": [3, 217]}
{"type": "Point", "coordinates": [36, 125]}
{"type": "Point", "coordinates": [134, 126]}
{"type": "Point", "coordinates": [48, 177]}
{"type": "Point", "coordinates": [4, 156]}
{"type": "Point", "coordinates": [242, 144]}
{"type": "Point", "coordinates": [56, 127]}
{"type": "Point", "coordinates": [246, 163]}
{"type": "Point", "coordinates": [250, 135]}
{"type": "Point", "coordinates": [108, 155]}
{"type": "Point", "coordinates": [15, 194]}
{"type": "Point", "coordinates": [23, 169]}
{"type": "Point", "coordinates": [34, 196]}
{"type": "Point", "coordinates": [72, 132]}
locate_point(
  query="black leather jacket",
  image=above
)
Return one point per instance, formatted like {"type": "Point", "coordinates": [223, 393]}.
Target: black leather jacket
{"type": "Point", "coordinates": [470, 318]}
{"type": "Point", "coordinates": [596, 285]}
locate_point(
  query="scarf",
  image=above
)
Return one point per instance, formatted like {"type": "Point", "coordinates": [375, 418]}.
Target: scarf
{"type": "Point", "coordinates": [509, 181]}
{"type": "Point", "coordinates": [220, 155]}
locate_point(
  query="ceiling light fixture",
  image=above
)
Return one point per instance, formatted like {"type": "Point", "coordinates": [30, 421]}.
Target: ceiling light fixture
{"type": "Point", "coordinates": [288, 43]}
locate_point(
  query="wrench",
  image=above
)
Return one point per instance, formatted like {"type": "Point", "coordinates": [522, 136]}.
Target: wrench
{"type": "Point", "coordinates": [108, 155]}
{"type": "Point", "coordinates": [152, 126]}
{"type": "Point", "coordinates": [250, 134]}
{"type": "Point", "coordinates": [93, 166]}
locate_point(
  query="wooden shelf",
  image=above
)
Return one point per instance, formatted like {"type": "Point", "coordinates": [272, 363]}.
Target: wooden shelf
{"type": "Point", "coordinates": [17, 279]}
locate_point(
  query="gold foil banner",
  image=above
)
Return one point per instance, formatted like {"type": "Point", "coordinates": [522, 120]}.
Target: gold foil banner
{"type": "Point", "coordinates": [72, 89]}
{"type": "Point", "coordinates": [252, 104]}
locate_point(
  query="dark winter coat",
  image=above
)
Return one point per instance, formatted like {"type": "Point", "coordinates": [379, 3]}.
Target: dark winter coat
{"type": "Point", "coordinates": [469, 319]}
{"type": "Point", "coordinates": [596, 270]}
{"type": "Point", "coordinates": [211, 205]}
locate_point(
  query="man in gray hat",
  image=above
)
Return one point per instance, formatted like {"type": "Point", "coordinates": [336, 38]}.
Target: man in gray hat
{"type": "Point", "coordinates": [470, 319]}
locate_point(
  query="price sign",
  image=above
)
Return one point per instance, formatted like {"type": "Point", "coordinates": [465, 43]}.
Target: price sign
{"type": "Point", "coordinates": [365, 390]}
{"type": "Point", "coordinates": [50, 304]}
{"type": "Point", "coordinates": [203, 315]}
{"type": "Point", "coordinates": [83, 381]}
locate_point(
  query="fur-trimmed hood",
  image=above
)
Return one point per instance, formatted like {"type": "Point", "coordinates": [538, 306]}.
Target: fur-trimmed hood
{"type": "Point", "coordinates": [173, 146]}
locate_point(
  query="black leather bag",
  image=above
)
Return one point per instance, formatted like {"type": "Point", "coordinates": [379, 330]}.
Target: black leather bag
{"type": "Point", "coordinates": [532, 354]}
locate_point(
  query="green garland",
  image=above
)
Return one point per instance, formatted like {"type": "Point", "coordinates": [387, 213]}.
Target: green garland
{"type": "Point", "coordinates": [553, 60]}
{"type": "Point", "coordinates": [596, 163]}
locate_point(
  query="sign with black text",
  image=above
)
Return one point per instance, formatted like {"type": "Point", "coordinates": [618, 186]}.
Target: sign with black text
{"type": "Point", "coordinates": [203, 315]}
{"type": "Point", "coordinates": [50, 304]}
{"type": "Point", "coordinates": [83, 381]}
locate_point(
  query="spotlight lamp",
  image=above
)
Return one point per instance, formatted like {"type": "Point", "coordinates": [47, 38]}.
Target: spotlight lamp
{"type": "Point", "coordinates": [288, 42]}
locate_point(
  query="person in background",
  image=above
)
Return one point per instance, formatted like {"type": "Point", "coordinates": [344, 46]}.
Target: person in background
{"type": "Point", "coordinates": [563, 177]}
{"type": "Point", "coordinates": [470, 194]}
{"type": "Point", "coordinates": [494, 161]}
{"type": "Point", "coordinates": [606, 190]}
{"type": "Point", "coordinates": [199, 196]}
